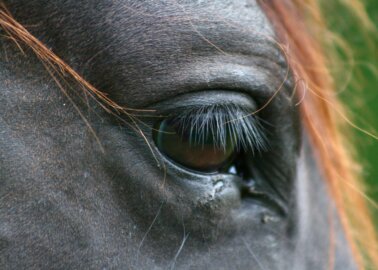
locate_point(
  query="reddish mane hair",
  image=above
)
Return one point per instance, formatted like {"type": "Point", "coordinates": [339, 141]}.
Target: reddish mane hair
{"type": "Point", "coordinates": [299, 24]}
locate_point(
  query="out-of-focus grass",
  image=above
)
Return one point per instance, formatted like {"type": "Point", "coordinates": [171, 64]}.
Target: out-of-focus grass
{"type": "Point", "coordinates": [361, 94]}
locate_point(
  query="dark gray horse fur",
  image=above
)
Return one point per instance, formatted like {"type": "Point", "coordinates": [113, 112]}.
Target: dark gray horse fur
{"type": "Point", "coordinates": [65, 203]}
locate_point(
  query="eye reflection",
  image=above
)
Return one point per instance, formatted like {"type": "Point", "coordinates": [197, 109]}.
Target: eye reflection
{"type": "Point", "coordinates": [200, 152]}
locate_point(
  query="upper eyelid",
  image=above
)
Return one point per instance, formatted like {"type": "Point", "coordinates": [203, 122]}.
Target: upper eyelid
{"type": "Point", "coordinates": [228, 76]}
{"type": "Point", "coordinates": [198, 108]}
{"type": "Point", "coordinates": [204, 98]}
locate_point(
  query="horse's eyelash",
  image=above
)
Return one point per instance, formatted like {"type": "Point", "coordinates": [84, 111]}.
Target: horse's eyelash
{"type": "Point", "coordinates": [226, 123]}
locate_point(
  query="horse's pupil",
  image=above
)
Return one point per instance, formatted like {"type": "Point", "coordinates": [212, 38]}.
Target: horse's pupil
{"type": "Point", "coordinates": [192, 149]}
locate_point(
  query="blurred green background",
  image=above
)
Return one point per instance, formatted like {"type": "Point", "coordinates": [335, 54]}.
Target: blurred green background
{"type": "Point", "coordinates": [361, 94]}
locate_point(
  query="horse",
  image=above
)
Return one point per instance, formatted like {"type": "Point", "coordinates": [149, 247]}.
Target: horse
{"type": "Point", "coordinates": [173, 135]}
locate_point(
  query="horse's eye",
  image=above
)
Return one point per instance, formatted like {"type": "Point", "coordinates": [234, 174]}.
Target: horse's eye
{"type": "Point", "coordinates": [195, 150]}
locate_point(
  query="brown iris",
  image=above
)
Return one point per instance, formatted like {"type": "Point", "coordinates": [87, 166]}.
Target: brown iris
{"type": "Point", "coordinates": [192, 147]}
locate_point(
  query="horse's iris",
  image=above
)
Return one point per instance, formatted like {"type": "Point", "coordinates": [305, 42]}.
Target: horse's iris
{"type": "Point", "coordinates": [192, 149]}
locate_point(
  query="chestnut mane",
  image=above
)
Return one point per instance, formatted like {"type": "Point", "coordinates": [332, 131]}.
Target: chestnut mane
{"type": "Point", "coordinates": [299, 25]}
